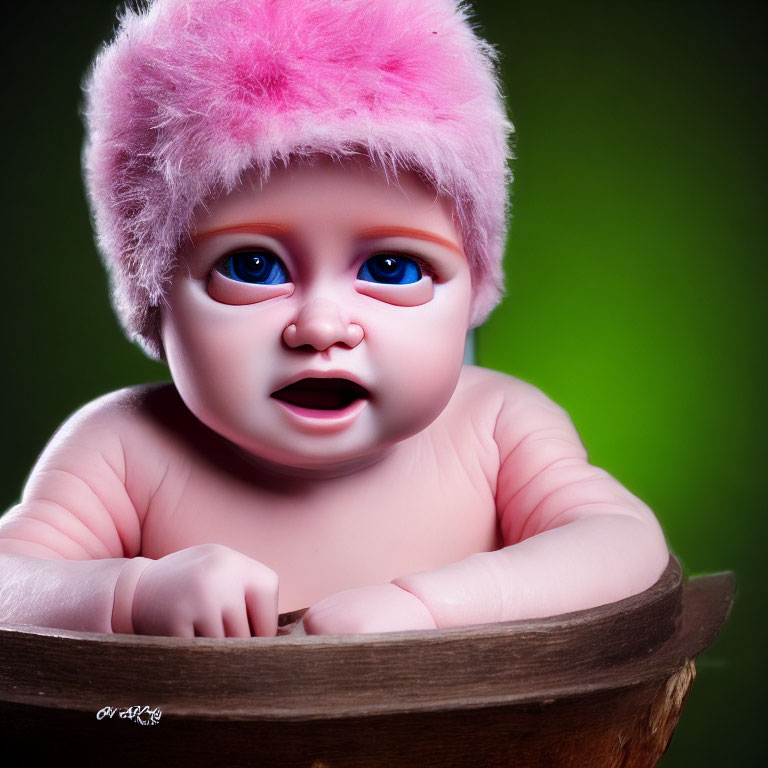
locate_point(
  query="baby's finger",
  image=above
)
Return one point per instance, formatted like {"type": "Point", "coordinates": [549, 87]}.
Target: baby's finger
{"type": "Point", "coordinates": [262, 614]}
{"type": "Point", "coordinates": [209, 626]}
{"type": "Point", "coordinates": [236, 622]}
{"type": "Point", "coordinates": [382, 608]}
{"type": "Point", "coordinates": [261, 602]}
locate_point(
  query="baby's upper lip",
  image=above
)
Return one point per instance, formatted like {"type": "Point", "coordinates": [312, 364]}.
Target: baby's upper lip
{"type": "Point", "coordinates": [333, 373]}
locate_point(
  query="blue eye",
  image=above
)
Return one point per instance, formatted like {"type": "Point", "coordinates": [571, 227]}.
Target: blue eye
{"type": "Point", "coordinates": [391, 269]}
{"type": "Point", "coordinates": [254, 266]}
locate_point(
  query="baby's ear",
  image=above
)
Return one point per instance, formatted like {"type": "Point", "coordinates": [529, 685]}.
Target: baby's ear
{"type": "Point", "coordinates": [469, 346]}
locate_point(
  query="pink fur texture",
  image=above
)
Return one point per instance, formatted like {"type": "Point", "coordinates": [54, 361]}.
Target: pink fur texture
{"type": "Point", "coordinates": [191, 94]}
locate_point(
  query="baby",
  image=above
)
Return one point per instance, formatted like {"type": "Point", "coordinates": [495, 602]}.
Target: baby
{"type": "Point", "coordinates": [302, 206]}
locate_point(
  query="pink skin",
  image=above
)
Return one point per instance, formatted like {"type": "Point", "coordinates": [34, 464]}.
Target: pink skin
{"type": "Point", "coordinates": [323, 221]}
{"type": "Point", "coordinates": [446, 496]}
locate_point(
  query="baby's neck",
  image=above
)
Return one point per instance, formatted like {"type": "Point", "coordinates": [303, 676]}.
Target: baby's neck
{"type": "Point", "coordinates": [320, 473]}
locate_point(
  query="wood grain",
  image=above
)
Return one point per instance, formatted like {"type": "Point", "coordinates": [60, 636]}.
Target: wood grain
{"type": "Point", "coordinates": [602, 687]}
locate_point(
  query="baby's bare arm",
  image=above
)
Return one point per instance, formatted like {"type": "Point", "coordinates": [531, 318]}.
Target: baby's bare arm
{"type": "Point", "coordinates": [69, 552]}
{"type": "Point", "coordinates": [573, 536]}
{"type": "Point", "coordinates": [64, 545]}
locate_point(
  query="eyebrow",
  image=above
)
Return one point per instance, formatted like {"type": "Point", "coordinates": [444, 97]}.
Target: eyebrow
{"type": "Point", "coordinates": [417, 234]}
{"type": "Point", "coordinates": [251, 228]}
{"type": "Point", "coordinates": [372, 233]}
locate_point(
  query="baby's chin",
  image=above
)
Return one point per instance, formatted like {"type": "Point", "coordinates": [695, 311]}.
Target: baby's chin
{"type": "Point", "coordinates": [308, 466]}
{"type": "Point", "coordinates": [296, 438]}
{"type": "Point", "coordinates": [322, 457]}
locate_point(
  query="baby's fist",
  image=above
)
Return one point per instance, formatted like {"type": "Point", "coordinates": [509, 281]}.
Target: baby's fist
{"type": "Point", "coordinates": [206, 591]}
{"type": "Point", "coordinates": [385, 608]}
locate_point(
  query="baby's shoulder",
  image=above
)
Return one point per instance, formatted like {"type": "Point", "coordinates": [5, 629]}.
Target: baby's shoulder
{"type": "Point", "coordinates": [136, 407]}
{"type": "Point", "coordinates": [131, 420]}
{"type": "Point", "coordinates": [491, 390]}
{"type": "Point", "coordinates": [125, 435]}
{"type": "Point", "coordinates": [502, 403]}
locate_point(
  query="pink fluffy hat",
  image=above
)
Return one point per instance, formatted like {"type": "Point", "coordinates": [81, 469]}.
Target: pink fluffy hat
{"type": "Point", "coordinates": [191, 94]}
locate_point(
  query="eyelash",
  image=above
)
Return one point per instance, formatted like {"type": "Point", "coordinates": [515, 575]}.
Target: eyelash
{"type": "Point", "coordinates": [426, 268]}
{"type": "Point", "coordinates": [225, 265]}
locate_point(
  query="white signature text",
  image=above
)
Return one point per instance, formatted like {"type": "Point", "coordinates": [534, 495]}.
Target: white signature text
{"type": "Point", "coordinates": [140, 715]}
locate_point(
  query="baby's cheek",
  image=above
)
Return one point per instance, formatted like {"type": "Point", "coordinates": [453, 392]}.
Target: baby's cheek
{"type": "Point", "coordinates": [217, 353]}
{"type": "Point", "coordinates": [421, 369]}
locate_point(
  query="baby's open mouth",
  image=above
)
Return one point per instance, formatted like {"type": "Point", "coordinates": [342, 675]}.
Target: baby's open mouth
{"type": "Point", "coordinates": [321, 394]}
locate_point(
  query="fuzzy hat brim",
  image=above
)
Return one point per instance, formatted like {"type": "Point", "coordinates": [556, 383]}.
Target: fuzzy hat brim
{"type": "Point", "coordinates": [192, 94]}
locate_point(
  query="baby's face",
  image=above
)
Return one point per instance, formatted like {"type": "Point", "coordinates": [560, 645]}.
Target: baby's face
{"type": "Point", "coordinates": [319, 319]}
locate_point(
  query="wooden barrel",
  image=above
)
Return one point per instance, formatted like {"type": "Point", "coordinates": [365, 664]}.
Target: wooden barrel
{"type": "Point", "coordinates": [602, 687]}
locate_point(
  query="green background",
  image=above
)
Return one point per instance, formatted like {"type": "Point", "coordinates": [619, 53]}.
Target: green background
{"type": "Point", "coordinates": [636, 276]}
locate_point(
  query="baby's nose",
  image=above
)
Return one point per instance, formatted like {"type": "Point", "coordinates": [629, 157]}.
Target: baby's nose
{"type": "Point", "coordinates": [321, 324]}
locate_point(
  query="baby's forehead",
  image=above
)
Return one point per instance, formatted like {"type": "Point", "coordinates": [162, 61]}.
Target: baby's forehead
{"type": "Point", "coordinates": [325, 192]}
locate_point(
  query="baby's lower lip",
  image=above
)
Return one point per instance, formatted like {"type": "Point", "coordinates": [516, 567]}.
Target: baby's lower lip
{"type": "Point", "coordinates": [324, 414]}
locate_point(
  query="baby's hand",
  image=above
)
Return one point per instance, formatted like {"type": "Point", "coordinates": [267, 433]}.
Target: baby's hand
{"type": "Point", "coordinates": [206, 591]}
{"type": "Point", "coordinates": [385, 608]}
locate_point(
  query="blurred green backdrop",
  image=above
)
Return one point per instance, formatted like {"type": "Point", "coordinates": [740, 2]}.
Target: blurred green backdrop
{"type": "Point", "coordinates": [636, 276]}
